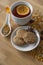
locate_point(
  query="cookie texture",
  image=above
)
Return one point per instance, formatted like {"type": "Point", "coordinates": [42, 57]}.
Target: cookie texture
{"type": "Point", "coordinates": [23, 37]}
{"type": "Point", "coordinates": [29, 37]}
{"type": "Point", "coordinates": [19, 41]}
{"type": "Point", "coordinates": [20, 32]}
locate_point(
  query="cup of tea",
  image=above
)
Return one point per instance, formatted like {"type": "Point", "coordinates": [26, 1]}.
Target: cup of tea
{"type": "Point", "coordinates": [21, 12]}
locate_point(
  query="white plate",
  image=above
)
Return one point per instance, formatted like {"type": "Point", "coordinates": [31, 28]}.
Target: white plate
{"type": "Point", "coordinates": [28, 47]}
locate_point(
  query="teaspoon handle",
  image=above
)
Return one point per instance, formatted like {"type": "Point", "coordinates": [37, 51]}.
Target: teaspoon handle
{"type": "Point", "coordinates": [8, 18]}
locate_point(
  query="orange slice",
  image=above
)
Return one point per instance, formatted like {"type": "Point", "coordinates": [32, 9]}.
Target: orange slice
{"type": "Point", "coordinates": [23, 10]}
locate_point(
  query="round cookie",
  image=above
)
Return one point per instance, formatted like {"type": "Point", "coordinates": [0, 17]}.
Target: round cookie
{"type": "Point", "coordinates": [20, 32]}
{"type": "Point", "coordinates": [23, 9]}
{"type": "Point", "coordinates": [18, 41]}
{"type": "Point", "coordinates": [29, 37]}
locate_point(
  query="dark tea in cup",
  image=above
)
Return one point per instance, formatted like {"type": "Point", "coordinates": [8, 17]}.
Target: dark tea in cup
{"type": "Point", "coordinates": [21, 11]}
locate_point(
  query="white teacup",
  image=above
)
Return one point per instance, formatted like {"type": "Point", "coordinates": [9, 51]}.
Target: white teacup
{"type": "Point", "coordinates": [23, 20]}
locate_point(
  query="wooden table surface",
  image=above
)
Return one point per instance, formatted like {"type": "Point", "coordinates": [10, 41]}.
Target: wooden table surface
{"type": "Point", "coordinates": [8, 54]}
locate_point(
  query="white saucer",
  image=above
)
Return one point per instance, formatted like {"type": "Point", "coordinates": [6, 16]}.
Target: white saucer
{"type": "Point", "coordinates": [28, 47]}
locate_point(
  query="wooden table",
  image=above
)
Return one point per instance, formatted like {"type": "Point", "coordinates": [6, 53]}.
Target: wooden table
{"type": "Point", "coordinates": [8, 54]}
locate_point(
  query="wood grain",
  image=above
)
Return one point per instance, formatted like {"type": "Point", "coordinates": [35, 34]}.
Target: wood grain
{"type": "Point", "coordinates": [8, 54]}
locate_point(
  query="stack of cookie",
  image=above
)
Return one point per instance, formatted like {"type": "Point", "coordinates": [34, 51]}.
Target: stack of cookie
{"type": "Point", "coordinates": [23, 37]}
